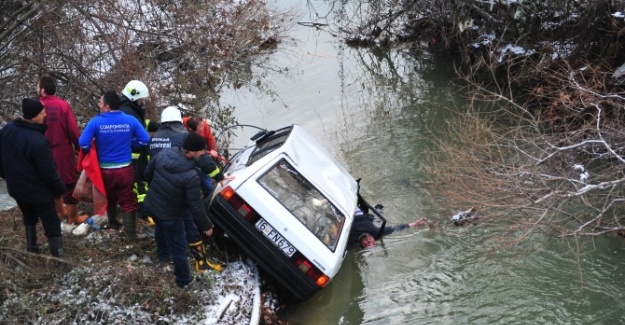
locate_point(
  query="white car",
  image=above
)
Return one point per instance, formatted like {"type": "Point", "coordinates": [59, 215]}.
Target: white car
{"type": "Point", "coordinates": [290, 207]}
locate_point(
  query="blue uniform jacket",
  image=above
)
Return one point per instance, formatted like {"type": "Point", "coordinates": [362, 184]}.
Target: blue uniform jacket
{"type": "Point", "coordinates": [116, 134]}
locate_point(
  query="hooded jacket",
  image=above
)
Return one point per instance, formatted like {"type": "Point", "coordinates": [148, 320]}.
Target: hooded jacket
{"type": "Point", "coordinates": [174, 188]}
{"type": "Point", "coordinates": [26, 163]}
{"type": "Point", "coordinates": [63, 135]}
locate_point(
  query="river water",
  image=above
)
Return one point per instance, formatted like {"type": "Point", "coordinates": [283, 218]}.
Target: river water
{"type": "Point", "coordinates": [373, 109]}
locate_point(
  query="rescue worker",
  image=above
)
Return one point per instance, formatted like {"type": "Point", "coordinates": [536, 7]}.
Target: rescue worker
{"type": "Point", "coordinates": [132, 103]}
{"type": "Point", "coordinates": [201, 127]}
{"type": "Point", "coordinates": [172, 133]}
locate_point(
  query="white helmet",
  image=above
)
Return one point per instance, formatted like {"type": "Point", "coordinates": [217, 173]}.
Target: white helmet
{"type": "Point", "coordinates": [171, 114]}
{"type": "Point", "coordinates": [135, 89]}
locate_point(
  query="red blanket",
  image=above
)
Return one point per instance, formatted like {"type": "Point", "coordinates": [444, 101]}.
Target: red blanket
{"type": "Point", "coordinates": [90, 186]}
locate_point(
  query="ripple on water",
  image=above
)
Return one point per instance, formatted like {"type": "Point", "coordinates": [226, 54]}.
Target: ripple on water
{"type": "Point", "coordinates": [449, 277]}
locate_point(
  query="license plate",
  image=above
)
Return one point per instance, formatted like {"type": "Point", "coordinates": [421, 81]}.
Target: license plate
{"type": "Point", "coordinates": [275, 237]}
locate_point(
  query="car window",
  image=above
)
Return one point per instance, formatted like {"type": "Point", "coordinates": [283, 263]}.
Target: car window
{"type": "Point", "coordinates": [268, 145]}
{"type": "Point", "coordinates": [305, 202]}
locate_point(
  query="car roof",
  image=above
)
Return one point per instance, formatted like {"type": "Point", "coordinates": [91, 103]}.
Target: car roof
{"type": "Point", "coordinates": [314, 162]}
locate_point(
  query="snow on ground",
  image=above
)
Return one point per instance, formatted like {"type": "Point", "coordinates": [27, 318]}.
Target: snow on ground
{"type": "Point", "coordinates": [91, 295]}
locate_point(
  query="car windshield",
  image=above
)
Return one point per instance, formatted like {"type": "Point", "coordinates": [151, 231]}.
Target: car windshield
{"type": "Point", "coordinates": [305, 202]}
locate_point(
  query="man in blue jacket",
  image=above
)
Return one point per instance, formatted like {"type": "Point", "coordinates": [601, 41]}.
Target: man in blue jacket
{"type": "Point", "coordinates": [27, 164]}
{"type": "Point", "coordinates": [174, 189]}
{"type": "Point", "coordinates": [116, 135]}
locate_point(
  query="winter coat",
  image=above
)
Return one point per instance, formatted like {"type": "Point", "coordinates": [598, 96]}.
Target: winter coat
{"type": "Point", "coordinates": [27, 164]}
{"type": "Point", "coordinates": [132, 108]}
{"type": "Point", "coordinates": [139, 155]}
{"type": "Point", "coordinates": [205, 131]}
{"type": "Point", "coordinates": [363, 223]}
{"type": "Point", "coordinates": [175, 188]}
{"type": "Point", "coordinates": [172, 134]}
{"type": "Point", "coordinates": [63, 135]}
{"type": "Point", "coordinates": [168, 135]}
{"type": "Point", "coordinates": [115, 135]}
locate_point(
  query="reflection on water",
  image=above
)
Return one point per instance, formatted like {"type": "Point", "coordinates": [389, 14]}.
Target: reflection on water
{"type": "Point", "coordinates": [378, 112]}
{"type": "Point", "coordinates": [339, 301]}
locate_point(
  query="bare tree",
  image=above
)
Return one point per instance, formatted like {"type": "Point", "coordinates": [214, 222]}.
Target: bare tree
{"type": "Point", "coordinates": [183, 50]}
{"type": "Point", "coordinates": [562, 173]}
{"type": "Point", "coordinates": [549, 154]}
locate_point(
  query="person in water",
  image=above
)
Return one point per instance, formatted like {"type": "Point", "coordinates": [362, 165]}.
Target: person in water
{"type": "Point", "coordinates": [364, 230]}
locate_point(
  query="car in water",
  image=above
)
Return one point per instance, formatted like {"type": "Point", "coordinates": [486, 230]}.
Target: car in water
{"type": "Point", "coordinates": [290, 208]}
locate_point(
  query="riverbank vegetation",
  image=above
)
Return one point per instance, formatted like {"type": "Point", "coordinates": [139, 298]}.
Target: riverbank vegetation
{"type": "Point", "coordinates": [185, 51]}
{"type": "Point", "coordinates": [543, 144]}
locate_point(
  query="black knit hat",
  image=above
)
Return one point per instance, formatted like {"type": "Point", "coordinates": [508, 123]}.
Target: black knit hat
{"type": "Point", "coordinates": [31, 108]}
{"type": "Point", "coordinates": [193, 142]}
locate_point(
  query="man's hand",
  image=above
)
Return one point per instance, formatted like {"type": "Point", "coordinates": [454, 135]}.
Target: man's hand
{"type": "Point", "coordinates": [209, 232]}
{"type": "Point", "coordinates": [419, 222]}
{"type": "Point", "coordinates": [213, 153]}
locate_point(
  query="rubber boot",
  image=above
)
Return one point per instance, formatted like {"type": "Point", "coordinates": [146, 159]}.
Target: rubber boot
{"type": "Point", "coordinates": [60, 208]}
{"type": "Point", "coordinates": [31, 239]}
{"type": "Point", "coordinates": [199, 254]}
{"type": "Point", "coordinates": [72, 215]}
{"type": "Point", "coordinates": [130, 225]}
{"type": "Point", "coordinates": [56, 246]}
{"type": "Point", "coordinates": [111, 214]}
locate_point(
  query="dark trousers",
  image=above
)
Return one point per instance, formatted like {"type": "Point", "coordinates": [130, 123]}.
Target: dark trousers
{"type": "Point", "coordinates": [46, 212]}
{"type": "Point", "coordinates": [171, 242]}
{"type": "Point", "coordinates": [193, 234]}
{"type": "Point", "coordinates": [140, 186]}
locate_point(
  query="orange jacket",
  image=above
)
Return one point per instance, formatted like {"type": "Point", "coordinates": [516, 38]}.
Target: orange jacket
{"type": "Point", "coordinates": [205, 131]}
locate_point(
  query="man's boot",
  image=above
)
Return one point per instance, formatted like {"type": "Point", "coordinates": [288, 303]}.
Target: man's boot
{"type": "Point", "coordinates": [72, 215]}
{"type": "Point", "coordinates": [56, 246]}
{"type": "Point", "coordinates": [111, 214]}
{"type": "Point", "coordinates": [130, 225]}
{"type": "Point", "coordinates": [31, 239]}
{"type": "Point", "coordinates": [199, 254]}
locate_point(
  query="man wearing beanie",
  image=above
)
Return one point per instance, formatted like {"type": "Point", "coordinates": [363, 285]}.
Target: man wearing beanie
{"type": "Point", "coordinates": [174, 188]}
{"type": "Point", "coordinates": [27, 165]}
{"type": "Point", "coordinates": [172, 133]}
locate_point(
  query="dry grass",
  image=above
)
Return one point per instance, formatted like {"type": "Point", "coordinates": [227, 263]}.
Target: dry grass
{"type": "Point", "coordinates": [103, 279]}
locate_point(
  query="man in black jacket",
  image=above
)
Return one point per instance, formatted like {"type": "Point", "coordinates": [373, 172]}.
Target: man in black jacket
{"type": "Point", "coordinates": [363, 230]}
{"type": "Point", "coordinates": [132, 102]}
{"type": "Point", "coordinates": [172, 133]}
{"type": "Point", "coordinates": [27, 164]}
{"type": "Point", "coordinates": [174, 188]}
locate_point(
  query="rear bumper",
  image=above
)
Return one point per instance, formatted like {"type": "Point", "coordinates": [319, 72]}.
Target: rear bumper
{"type": "Point", "coordinates": [269, 257]}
